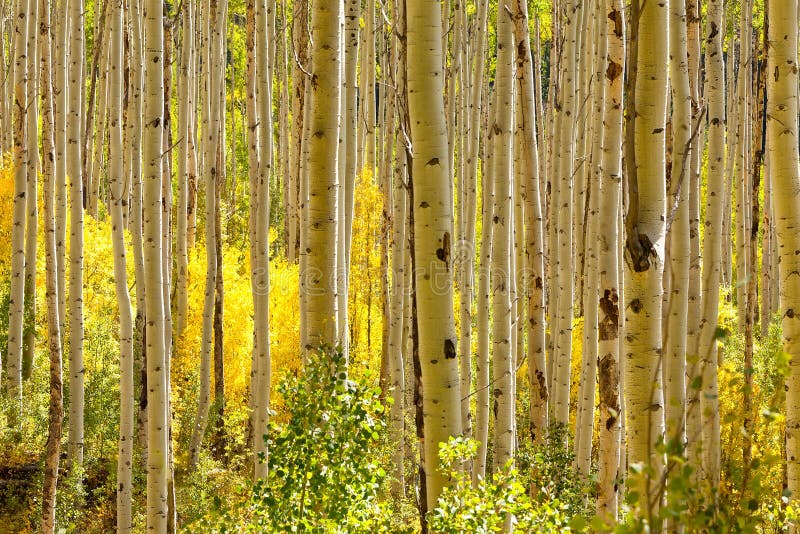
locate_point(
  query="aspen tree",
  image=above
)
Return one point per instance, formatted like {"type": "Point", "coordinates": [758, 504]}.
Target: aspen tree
{"type": "Point", "coordinates": [398, 271]}
{"type": "Point", "coordinates": [767, 245]}
{"type": "Point", "coordinates": [584, 423]}
{"type": "Point", "coordinates": [433, 223]}
{"type": "Point", "coordinates": [318, 280]}
{"type": "Point", "coordinates": [782, 109]}
{"type": "Point", "coordinates": [675, 342]}
{"type": "Point", "coordinates": [61, 42]}
{"type": "Point", "coordinates": [609, 240]}
{"type": "Point", "coordinates": [117, 191]}
{"type": "Point", "coordinates": [503, 366]}
{"type": "Point", "coordinates": [473, 72]}
{"type": "Point", "coordinates": [74, 172]}
{"type": "Point", "coordinates": [264, 102]}
{"type": "Point", "coordinates": [562, 208]}
{"type": "Point", "coordinates": [185, 105]}
{"type": "Point", "coordinates": [484, 283]}
{"type": "Point", "coordinates": [644, 246]}
{"type": "Point", "coordinates": [13, 385]}
{"type": "Point", "coordinates": [533, 224]}
{"type": "Point", "coordinates": [350, 122]}
{"type": "Point", "coordinates": [366, 154]}
{"type": "Point", "coordinates": [706, 445]}
{"type": "Point", "coordinates": [693, 378]}
{"type": "Point", "coordinates": [212, 126]}
{"type": "Point", "coordinates": [56, 412]}
{"type": "Point", "coordinates": [32, 201]}
{"type": "Point", "coordinates": [299, 127]}
{"type": "Point", "coordinates": [157, 379]}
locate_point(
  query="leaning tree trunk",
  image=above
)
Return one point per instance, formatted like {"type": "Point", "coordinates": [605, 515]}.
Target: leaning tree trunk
{"type": "Point", "coordinates": [644, 245]}
{"type": "Point", "coordinates": [785, 177]}
{"type": "Point", "coordinates": [157, 379]}
{"type": "Point", "coordinates": [433, 222]}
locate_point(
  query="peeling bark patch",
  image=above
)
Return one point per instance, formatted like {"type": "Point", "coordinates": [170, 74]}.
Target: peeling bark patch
{"type": "Point", "coordinates": [449, 349]}
{"type": "Point", "coordinates": [608, 328]}
{"type": "Point", "coordinates": [616, 17]}
{"type": "Point", "coordinates": [609, 388]}
{"type": "Point", "coordinates": [613, 71]}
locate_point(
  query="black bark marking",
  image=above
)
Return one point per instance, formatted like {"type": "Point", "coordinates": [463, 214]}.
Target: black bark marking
{"type": "Point", "coordinates": [449, 349]}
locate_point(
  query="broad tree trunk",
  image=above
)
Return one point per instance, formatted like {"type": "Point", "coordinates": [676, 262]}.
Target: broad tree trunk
{"type": "Point", "coordinates": [644, 246]}
{"type": "Point", "coordinates": [433, 222]}
{"type": "Point", "coordinates": [318, 280]}
{"type": "Point", "coordinates": [785, 176]}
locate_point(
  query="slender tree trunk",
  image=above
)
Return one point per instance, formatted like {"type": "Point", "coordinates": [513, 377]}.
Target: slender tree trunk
{"type": "Point", "coordinates": [117, 191]}
{"type": "Point", "coordinates": [185, 106]}
{"type": "Point", "coordinates": [61, 42]}
{"type": "Point", "coordinates": [484, 271]}
{"type": "Point", "coordinates": [261, 304]}
{"type": "Point", "coordinates": [502, 223]}
{"type": "Point", "coordinates": [563, 207]}
{"type": "Point", "coordinates": [212, 176]}
{"type": "Point", "coordinates": [56, 412]}
{"type": "Point", "coordinates": [609, 325]}
{"type": "Point", "coordinates": [74, 170]}
{"type": "Point", "coordinates": [32, 202]}
{"type": "Point", "coordinates": [703, 448]}
{"type": "Point", "coordinates": [13, 385]}
{"type": "Point", "coordinates": [675, 342]}
{"type": "Point", "coordinates": [584, 423]}
{"type": "Point", "coordinates": [157, 379]}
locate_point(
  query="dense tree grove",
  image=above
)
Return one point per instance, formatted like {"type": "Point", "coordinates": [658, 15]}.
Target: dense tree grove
{"type": "Point", "coordinates": [399, 266]}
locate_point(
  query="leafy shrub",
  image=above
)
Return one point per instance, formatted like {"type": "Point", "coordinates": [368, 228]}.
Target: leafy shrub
{"type": "Point", "coordinates": [495, 502]}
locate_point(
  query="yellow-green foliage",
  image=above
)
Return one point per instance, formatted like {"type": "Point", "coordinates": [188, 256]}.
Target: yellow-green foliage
{"type": "Point", "coordinates": [6, 210]}
{"type": "Point", "coordinates": [365, 311]}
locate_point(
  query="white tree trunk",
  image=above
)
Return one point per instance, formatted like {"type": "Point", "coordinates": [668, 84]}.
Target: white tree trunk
{"type": "Point", "coordinates": [433, 222]}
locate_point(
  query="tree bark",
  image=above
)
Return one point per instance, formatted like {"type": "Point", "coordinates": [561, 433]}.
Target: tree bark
{"type": "Point", "coordinates": [433, 222]}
